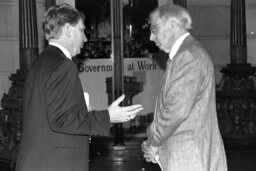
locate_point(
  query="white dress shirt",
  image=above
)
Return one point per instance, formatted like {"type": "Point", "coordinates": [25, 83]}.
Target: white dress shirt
{"type": "Point", "coordinates": [64, 50]}
{"type": "Point", "coordinates": [177, 44]}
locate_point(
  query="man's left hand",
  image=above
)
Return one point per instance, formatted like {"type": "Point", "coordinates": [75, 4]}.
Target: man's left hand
{"type": "Point", "coordinates": [149, 151]}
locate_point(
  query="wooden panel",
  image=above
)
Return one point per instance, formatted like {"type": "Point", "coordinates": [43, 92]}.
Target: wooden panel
{"type": "Point", "coordinates": [207, 3]}
{"type": "Point", "coordinates": [203, 19]}
{"type": "Point", "coordinates": [12, 18]}
{"type": "Point", "coordinates": [40, 17]}
{"type": "Point", "coordinates": [9, 59]}
{"type": "Point", "coordinates": [250, 20]}
{"type": "Point", "coordinates": [251, 50]}
{"type": "Point", "coordinates": [2, 20]}
{"type": "Point", "coordinates": [219, 49]}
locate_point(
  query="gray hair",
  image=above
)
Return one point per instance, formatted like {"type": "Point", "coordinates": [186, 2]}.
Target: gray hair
{"type": "Point", "coordinates": [57, 16]}
{"type": "Point", "coordinates": [175, 12]}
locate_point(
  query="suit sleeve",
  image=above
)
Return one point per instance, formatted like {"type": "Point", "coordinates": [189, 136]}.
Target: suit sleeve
{"type": "Point", "coordinates": [180, 92]}
{"type": "Point", "coordinates": [66, 110]}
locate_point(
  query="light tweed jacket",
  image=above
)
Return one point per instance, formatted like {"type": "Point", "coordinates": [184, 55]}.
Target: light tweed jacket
{"type": "Point", "coordinates": [185, 126]}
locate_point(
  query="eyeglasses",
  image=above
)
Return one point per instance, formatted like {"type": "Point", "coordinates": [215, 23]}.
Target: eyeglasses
{"type": "Point", "coordinates": [154, 29]}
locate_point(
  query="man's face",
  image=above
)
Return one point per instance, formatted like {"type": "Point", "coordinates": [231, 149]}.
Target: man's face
{"type": "Point", "coordinates": [162, 33]}
{"type": "Point", "coordinates": [78, 38]}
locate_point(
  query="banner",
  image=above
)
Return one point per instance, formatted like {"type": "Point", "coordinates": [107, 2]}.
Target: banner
{"type": "Point", "coordinates": [93, 74]}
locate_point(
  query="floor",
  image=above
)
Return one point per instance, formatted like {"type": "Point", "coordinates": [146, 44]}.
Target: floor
{"type": "Point", "coordinates": [242, 161]}
{"type": "Point", "coordinates": [123, 166]}
{"type": "Point", "coordinates": [103, 157]}
{"type": "Point", "coordinates": [133, 160]}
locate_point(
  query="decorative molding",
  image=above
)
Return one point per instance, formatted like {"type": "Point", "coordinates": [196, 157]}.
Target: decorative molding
{"type": "Point", "coordinates": [251, 6]}
{"type": "Point", "coordinates": [219, 65]}
{"type": "Point", "coordinates": [10, 2]}
{"type": "Point", "coordinates": [215, 37]}
{"type": "Point", "coordinates": [216, 7]}
{"type": "Point", "coordinates": [251, 36]}
{"type": "Point", "coordinates": [16, 38]}
{"type": "Point", "coordinates": [4, 73]}
{"type": "Point", "coordinates": [208, 7]}
{"type": "Point", "coordinates": [222, 37]}
{"type": "Point", "coordinates": [16, 2]}
{"type": "Point", "coordinates": [9, 38]}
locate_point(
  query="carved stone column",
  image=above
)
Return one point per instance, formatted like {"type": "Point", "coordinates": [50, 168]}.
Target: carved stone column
{"type": "Point", "coordinates": [117, 52]}
{"type": "Point", "coordinates": [182, 3]}
{"type": "Point", "coordinates": [28, 33]}
{"type": "Point", "coordinates": [11, 115]}
{"type": "Point", "coordinates": [236, 92]}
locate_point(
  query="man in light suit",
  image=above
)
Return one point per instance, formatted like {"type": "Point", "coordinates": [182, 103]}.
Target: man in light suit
{"type": "Point", "coordinates": [184, 134]}
{"type": "Point", "coordinates": [56, 123]}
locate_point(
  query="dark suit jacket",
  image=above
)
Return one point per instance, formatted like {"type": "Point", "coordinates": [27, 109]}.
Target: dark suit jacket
{"type": "Point", "coordinates": [56, 123]}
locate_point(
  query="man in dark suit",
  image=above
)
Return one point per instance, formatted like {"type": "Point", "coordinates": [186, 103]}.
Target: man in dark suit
{"type": "Point", "coordinates": [184, 135]}
{"type": "Point", "coordinates": [56, 123]}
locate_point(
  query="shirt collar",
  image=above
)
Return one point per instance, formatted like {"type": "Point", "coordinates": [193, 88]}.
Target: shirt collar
{"type": "Point", "coordinates": [64, 50]}
{"type": "Point", "coordinates": [176, 45]}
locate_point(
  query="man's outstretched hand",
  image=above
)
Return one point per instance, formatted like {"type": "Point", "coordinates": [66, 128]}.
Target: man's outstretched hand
{"type": "Point", "coordinates": [120, 114]}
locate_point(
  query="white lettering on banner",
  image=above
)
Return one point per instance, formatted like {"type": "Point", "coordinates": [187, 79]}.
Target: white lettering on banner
{"type": "Point", "coordinates": [142, 65]}
{"type": "Point", "coordinates": [94, 68]}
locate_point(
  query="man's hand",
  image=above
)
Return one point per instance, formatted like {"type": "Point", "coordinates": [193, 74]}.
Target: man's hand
{"type": "Point", "coordinates": [120, 114]}
{"type": "Point", "coordinates": [149, 151]}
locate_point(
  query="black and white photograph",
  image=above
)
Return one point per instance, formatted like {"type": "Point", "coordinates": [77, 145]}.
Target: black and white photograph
{"type": "Point", "coordinates": [127, 85]}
